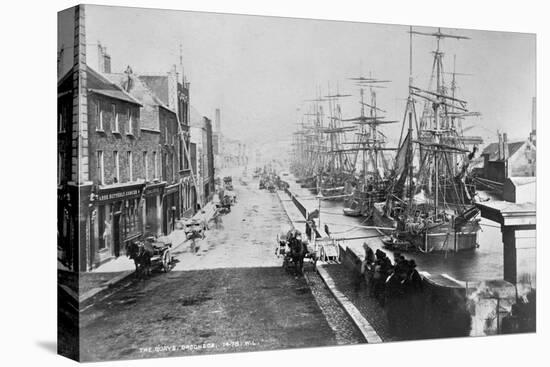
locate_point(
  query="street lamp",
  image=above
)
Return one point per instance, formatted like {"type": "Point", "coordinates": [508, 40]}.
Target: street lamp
{"type": "Point", "coordinates": [319, 197]}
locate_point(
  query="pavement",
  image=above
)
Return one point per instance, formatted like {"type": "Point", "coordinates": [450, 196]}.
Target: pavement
{"type": "Point", "coordinates": [106, 276]}
{"type": "Point", "coordinates": [232, 295]}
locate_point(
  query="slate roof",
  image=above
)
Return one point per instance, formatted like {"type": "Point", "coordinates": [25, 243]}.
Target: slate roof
{"type": "Point", "coordinates": [99, 84]}
{"type": "Point", "coordinates": [138, 89]}
{"type": "Point", "coordinates": [492, 149]}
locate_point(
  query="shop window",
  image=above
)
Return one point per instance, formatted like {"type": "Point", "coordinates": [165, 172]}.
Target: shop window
{"type": "Point", "coordinates": [104, 227]}
{"type": "Point", "coordinates": [130, 218]}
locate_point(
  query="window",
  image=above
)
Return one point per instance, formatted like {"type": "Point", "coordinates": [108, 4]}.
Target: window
{"type": "Point", "coordinates": [130, 166]}
{"type": "Point", "coordinates": [100, 168]}
{"type": "Point", "coordinates": [130, 122]}
{"type": "Point", "coordinates": [116, 179]}
{"type": "Point", "coordinates": [164, 167]}
{"type": "Point", "coordinates": [155, 166]}
{"type": "Point", "coordinates": [173, 158]}
{"type": "Point", "coordinates": [59, 167]}
{"type": "Point", "coordinates": [62, 122]}
{"type": "Point", "coordinates": [146, 166]}
{"type": "Point", "coordinates": [115, 119]}
{"type": "Point", "coordinates": [99, 116]}
{"type": "Point", "coordinates": [103, 227]}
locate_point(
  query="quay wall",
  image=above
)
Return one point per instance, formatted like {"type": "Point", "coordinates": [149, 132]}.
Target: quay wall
{"type": "Point", "coordinates": [448, 307]}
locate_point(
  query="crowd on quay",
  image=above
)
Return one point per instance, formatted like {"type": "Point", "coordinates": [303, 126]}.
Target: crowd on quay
{"type": "Point", "coordinates": [398, 288]}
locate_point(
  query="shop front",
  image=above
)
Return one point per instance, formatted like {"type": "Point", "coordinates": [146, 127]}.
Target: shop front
{"type": "Point", "coordinates": [152, 209]}
{"type": "Point", "coordinates": [116, 220]}
{"type": "Point", "coordinates": [171, 209]}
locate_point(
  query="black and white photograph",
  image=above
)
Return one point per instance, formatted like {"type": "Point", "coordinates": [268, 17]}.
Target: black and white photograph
{"type": "Point", "coordinates": [237, 183]}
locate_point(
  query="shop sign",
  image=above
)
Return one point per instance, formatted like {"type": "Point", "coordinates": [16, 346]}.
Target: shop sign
{"type": "Point", "coordinates": [120, 193]}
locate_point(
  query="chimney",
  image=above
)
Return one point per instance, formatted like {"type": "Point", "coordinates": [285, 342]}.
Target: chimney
{"type": "Point", "coordinates": [103, 59]}
{"type": "Point", "coordinates": [505, 152]}
{"type": "Point", "coordinates": [218, 121]}
{"type": "Point", "coordinates": [500, 149]}
{"type": "Point", "coordinates": [128, 84]}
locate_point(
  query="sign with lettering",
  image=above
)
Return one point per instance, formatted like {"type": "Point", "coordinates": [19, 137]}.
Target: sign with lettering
{"type": "Point", "coordinates": [155, 189]}
{"type": "Point", "coordinates": [120, 193]}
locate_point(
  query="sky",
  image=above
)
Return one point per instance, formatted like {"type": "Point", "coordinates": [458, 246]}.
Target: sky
{"type": "Point", "coordinates": [260, 70]}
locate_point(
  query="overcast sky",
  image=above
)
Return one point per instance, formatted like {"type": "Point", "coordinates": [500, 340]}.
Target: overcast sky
{"type": "Point", "coordinates": [259, 70]}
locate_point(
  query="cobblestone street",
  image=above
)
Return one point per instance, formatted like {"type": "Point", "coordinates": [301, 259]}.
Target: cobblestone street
{"type": "Point", "coordinates": [231, 296]}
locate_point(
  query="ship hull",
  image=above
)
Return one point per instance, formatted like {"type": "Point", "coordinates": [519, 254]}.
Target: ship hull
{"type": "Point", "coordinates": [440, 238]}
{"type": "Point", "coordinates": [437, 240]}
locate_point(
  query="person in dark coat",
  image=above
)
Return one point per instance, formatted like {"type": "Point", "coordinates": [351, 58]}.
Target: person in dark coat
{"type": "Point", "coordinates": [394, 294]}
{"type": "Point", "coordinates": [367, 265]}
{"type": "Point", "coordinates": [414, 301]}
{"type": "Point", "coordinates": [382, 268]}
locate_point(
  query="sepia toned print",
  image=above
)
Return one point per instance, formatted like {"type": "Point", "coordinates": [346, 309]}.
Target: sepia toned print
{"type": "Point", "coordinates": [232, 183]}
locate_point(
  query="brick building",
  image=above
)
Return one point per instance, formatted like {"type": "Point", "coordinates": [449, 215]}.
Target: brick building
{"type": "Point", "coordinates": [160, 124]}
{"type": "Point", "coordinates": [173, 91]}
{"type": "Point", "coordinates": [124, 166]}
{"type": "Point", "coordinates": [201, 136]}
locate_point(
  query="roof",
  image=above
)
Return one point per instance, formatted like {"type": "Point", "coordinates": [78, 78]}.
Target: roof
{"type": "Point", "coordinates": [158, 85]}
{"type": "Point", "coordinates": [492, 149]}
{"type": "Point", "coordinates": [520, 181]}
{"type": "Point", "coordinates": [139, 90]}
{"type": "Point", "coordinates": [99, 84]}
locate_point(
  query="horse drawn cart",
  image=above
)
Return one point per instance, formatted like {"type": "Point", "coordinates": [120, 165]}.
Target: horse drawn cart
{"type": "Point", "coordinates": [295, 250]}
{"type": "Point", "coordinates": [152, 252]}
{"type": "Point", "coordinates": [228, 183]}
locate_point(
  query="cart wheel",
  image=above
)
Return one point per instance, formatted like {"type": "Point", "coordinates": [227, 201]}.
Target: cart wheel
{"type": "Point", "coordinates": [322, 254]}
{"type": "Point", "coordinates": [166, 261]}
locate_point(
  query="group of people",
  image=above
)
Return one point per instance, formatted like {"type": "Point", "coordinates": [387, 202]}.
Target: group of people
{"type": "Point", "coordinates": [398, 288]}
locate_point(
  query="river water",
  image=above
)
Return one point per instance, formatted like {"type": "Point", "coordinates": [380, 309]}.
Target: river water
{"type": "Point", "coordinates": [483, 263]}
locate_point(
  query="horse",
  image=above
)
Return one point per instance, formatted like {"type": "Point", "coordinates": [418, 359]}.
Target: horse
{"type": "Point", "coordinates": [141, 253]}
{"type": "Point", "coordinates": [298, 251]}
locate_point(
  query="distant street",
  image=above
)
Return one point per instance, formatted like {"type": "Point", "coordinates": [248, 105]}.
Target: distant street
{"type": "Point", "coordinates": [233, 295]}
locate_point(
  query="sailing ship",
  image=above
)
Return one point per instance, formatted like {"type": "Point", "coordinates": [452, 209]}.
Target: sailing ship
{"type": "Point", "coordinates": [373, 181]}
{"type": "Point", "coordinates": [433, 208]}
{"type": "Point", "coordinates": [339, 164]}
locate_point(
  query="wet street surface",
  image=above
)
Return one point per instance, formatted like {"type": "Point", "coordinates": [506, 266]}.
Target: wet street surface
{"type": "Point", "coordinates": [230, 296]}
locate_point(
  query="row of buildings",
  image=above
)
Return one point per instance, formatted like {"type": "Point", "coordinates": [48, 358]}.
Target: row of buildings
{"type": "Point", "coordinates": [133, 157]}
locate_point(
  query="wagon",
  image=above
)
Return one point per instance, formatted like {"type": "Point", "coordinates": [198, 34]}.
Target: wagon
{"type": "Point", "coordinates": [283, 249]}
{"type": "Point", "coordinates": [228, 183]}
{"type": "Point", "coordinates": [327, 250]}
{"type": "Point", "coordinates": [162, 256]}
